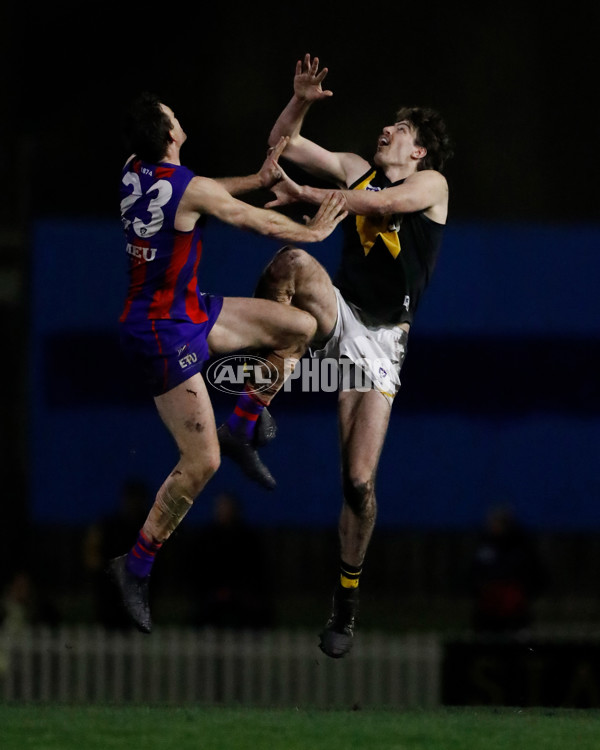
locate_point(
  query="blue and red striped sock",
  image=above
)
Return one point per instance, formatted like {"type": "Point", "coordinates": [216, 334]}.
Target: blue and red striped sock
{"type": "Point", "coordinates": [141, 556]}
{"type": "Point", "coordinates": [245, 415]}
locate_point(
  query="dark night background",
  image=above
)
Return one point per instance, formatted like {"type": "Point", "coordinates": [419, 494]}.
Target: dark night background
{"type": "Point", "coordinates": [517, 86]}
{"type": "Point", "coordinates": [516, 83]}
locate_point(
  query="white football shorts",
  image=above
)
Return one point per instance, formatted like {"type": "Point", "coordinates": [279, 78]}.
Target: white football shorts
{"type": "Point", "coordinates": [369, 356]}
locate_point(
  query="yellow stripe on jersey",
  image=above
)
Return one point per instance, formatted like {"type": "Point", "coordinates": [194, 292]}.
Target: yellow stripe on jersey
{"type": "Point", "coordinates": [371, 227]}
{"type": "Point", "coordinates": [367, 181]}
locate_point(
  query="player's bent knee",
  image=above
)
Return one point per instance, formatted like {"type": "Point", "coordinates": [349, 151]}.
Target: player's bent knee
{"type": "Point", "coordinates": [291, 253]}
{"type": "Point", "coordinates": [288, 261]}
{"type": "Point", "coordinates": [278, 280]}
{"type": "Point", "coordinates": [213, 464]}
{"type": "Point", "coordinates": [199, 474]}
{"type": "Point", "coordinates": [359, 494]}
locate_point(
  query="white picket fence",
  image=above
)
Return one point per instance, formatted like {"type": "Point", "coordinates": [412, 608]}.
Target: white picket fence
{"type": "Point", "coordinates": [190, 666]}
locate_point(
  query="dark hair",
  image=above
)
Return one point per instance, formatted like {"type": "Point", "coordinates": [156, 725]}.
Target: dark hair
{"type": "Point", "coordinates": [430, 132]}
{"type": "Point", "coordinates": [147, 128]}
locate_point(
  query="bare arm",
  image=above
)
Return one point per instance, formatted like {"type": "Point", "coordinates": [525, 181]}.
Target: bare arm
{"type": "Point", "coordinates": [423, 191]}
{"type": "Point", "coordinates": [338, 167]}
{"type": "Point", "coordinates": [206, 196]}
{"type": "Point", "coordinates": [240, 185]}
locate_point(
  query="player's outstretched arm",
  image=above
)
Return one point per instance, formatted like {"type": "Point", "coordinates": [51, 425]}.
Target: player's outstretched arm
{"type": "Point", "coordinates": [307, 90]}
{"type": "Point", "coordinates": [328, 165]}
{"type": "Point", "coordinates": [423, 191]}
{"type": "Point", "coordinates": [205, 196]}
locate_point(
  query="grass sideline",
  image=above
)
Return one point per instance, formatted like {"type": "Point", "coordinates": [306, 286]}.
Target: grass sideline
{"type": "Point", "coordinates": [56, 727]}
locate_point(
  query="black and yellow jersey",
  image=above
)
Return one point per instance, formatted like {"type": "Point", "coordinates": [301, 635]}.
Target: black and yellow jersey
{"type": "Point", "coordinates": [387, 261]}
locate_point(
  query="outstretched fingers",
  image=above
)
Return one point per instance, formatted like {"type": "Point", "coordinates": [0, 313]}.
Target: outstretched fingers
{"type": "Point", "coordinates": [332, 210]}
{"type": "Point", "coordinates": [276, 150]}
{"type": "Point", "coordinates": [308, 76]}
{"type": "Point", "coordinates": [314, 70]}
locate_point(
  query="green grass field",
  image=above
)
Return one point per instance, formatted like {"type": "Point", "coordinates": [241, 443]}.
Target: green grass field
{"type": "Point", "coordinates": [111, 728]}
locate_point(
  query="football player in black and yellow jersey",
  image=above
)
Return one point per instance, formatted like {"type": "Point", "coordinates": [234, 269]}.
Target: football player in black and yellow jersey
{"type": "Point", "coordinates": [398, 205]}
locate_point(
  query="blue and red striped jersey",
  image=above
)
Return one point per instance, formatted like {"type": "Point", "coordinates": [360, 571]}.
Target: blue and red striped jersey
{"type": "Point", "coordinates": [163, 262]}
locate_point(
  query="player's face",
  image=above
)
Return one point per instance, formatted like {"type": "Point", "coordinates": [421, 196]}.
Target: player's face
{"type": "Point", "coordinates": [396, 146]}
{"type": "Point", "coordinates": [177, 132]}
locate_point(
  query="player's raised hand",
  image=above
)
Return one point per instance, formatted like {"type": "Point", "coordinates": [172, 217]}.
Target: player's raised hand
{"type": "Point", "coordinates": [270, 172]}
{"type": "Point", "coordinates": [331, 211]}
{"type": "Point", "coordinates": [308, 79]}
{"type": "Point", "coordinates": [286, 190]}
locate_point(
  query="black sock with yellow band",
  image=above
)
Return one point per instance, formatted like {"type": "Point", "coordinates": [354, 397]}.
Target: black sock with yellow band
{"type": "Point", "coordinates": [349, 575]}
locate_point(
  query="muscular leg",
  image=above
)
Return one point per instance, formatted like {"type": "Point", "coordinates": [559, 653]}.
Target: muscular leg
{"type": "Point", "coordinates": [264, 325]}
{"type": "Point", "coordinates": [187, 413]}
{"type": "Point", "coordinates": [363, 421]}
{"type": "Point", "coordinates": [298, 281]}
{"type": "Point", "coordinates": [293, 289]}
{"type": "Point", "coordinates": [249, 323]}
{"type": "Point", "coordinates": [293, 277]}
{"type": "Point", "coordinates": [310, 307]}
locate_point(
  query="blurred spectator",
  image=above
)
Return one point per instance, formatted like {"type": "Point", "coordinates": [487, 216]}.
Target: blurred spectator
{"type": "Point", "coordinates": [106, 539]}
{"type": "Point", "coordinates": [506, 575]}
{"type": "Point", "coordinates": [228, 569]}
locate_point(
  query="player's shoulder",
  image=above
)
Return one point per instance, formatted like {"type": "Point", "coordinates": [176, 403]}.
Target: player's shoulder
{"type": "Point", "coordinates": [201, 184]}
{"type": "Point", "coordinates": [430, 180]}
{"type": "Point", "coordinates": [354, 166]}
{"type": "Point", "coordinates": [431, 176]}
{"type": "Point", "coordinates": [202, 194]}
